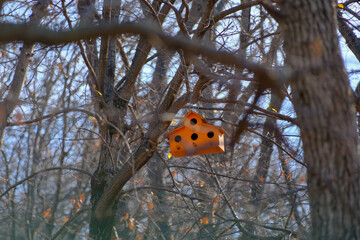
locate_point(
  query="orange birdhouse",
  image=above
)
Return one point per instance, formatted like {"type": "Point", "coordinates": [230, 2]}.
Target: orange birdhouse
{"type": "Point", "coordinates": [195, 137]}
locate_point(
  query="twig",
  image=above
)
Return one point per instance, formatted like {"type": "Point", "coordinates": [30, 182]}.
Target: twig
{"type": "Point", "coordinates": [41, 171]}
{"type": "Point", "coordinates": [77, 214]}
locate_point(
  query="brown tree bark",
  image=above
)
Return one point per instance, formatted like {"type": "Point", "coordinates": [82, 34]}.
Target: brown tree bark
{"type": "Point", "coordinates": [326, 115]}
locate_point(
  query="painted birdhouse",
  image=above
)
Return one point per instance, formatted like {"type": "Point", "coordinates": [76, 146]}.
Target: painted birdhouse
{"type": "Point", "coordinates": [195, 137]}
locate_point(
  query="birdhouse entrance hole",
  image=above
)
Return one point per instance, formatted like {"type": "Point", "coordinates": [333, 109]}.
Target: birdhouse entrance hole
{"type": "Point", "coordinates": [194, 136]}
{"type": "Point", "coordinates": [193, 121]}
{"type": "Point", "coordinates": [210, 134]}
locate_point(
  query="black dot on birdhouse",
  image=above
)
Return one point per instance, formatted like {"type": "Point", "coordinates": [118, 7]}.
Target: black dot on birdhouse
{"type": "Point", "coordinates": [193, 121]}
{"type": "Point", "coordinates": [210, 134]}
{"type": "Point", "coordinates": [178, 148]}
{"type": "Point", "coordinates": [177, 138]}
{"type": "Point", "coordinates": [194, 136]}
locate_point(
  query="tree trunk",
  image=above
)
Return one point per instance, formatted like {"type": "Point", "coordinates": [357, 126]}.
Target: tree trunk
{"type": "Point", "coordinates": [326, 116]}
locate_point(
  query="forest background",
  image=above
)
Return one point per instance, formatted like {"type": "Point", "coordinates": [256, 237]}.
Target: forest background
{"type": "Point", "coordinates": [88, 88]}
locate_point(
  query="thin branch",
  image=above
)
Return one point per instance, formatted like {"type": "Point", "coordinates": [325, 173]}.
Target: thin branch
{"type": "Point", "coordinates": [51, 115]}
{"type": "Point", "coordinates": [161, 189]}
{"type": "Point", "coordinates": [77, 214]}
{"type": "Point", "coordinates": [227, 12]}
{"type": "Point", "coordinates": [41, 171]}
{"type": "Point", "coordinates": [29, 33]}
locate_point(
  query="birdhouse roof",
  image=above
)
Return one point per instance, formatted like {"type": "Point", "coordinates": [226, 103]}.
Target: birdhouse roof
{"type": "Point", "coordinates": [204, 124]}
{"type": "Point", "coordinates": [167, 135]}
{"type": "Point", "coordinates": [194, 113]}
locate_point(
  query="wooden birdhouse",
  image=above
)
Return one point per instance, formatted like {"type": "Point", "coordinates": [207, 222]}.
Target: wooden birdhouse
{"type": "Point", "coordinates": [195, 137]}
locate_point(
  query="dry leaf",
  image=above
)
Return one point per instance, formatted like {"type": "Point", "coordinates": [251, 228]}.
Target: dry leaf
{"type": "Point", "coordinates": [60, 66]}
{"type": "Point", "coordinates": [131, 223]}
{"type": "Point", "coordinates": [82, 197]}
{"type": "Point", "coordinates": [150, 207]}
{"type": "Point", "coordinates": [204, 220]}
{"type": "Point", "coordinates": [47, 213]}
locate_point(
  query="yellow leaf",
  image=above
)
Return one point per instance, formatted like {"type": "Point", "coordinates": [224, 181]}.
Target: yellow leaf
{"type": "Point", "coordinates": [292, 216]}
{"type": "Point", "coordinates": [66, 219]}
{"type": "Point", "coordinates": [202, 183]}
{"type": "Point", "coordinates": [261, 179]}
{"type": "Point", "coordinates": [340, 5]}
{"type": "Point", "coordinates": [181, 185]}
{"type": "Point", "coordinates": [271, 217]}
{"type": "Point", "coordinates": [273, 109]}
{"type": "Point", "coordinates": [169, 155]}
{"type": "Point", "coordinates": [99, 92]}
{"type": "Point", "coordinates": [173, 122]}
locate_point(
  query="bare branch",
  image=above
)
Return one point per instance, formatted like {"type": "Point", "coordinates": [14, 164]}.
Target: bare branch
{"type": "Point", "coordinates": [29, 33]}
{"type": "Point", "coordinates": [41, 171]}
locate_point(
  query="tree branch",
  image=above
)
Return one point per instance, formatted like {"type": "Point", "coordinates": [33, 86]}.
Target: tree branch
{"type": "Point", "coordinates": [29, 33]}
{"type": "Point", "coordinates": [41, 171]}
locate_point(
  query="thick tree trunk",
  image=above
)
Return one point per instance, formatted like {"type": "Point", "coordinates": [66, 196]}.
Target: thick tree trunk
{"type": "Point", "coordinates": [326, 116]}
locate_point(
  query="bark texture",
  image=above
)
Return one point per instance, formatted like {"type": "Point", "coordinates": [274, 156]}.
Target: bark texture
{"type": "Point", "coordinates": [326, 115]}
